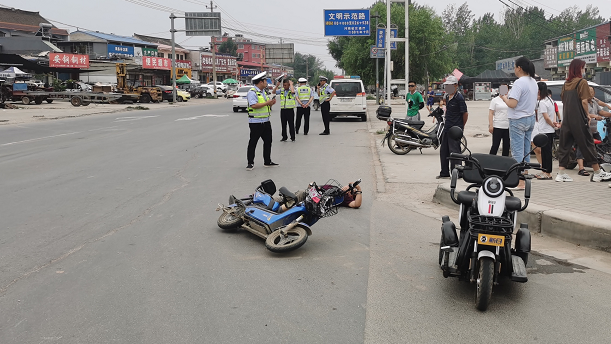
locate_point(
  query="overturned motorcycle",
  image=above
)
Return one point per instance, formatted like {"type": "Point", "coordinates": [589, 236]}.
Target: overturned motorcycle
{"type": "Point", "coordinates": [284, 225]}
{"type": "Point", "coordinates": [487, 218]}
{"type": "Point", "coordinates": [404, 135]}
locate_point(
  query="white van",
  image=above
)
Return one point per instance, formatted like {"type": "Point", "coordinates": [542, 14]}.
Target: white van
{"type": "Point", "coordinates": [350, 98]}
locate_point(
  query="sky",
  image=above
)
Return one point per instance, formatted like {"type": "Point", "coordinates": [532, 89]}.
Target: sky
{"type": "Point", "coordinates": [290, 20]}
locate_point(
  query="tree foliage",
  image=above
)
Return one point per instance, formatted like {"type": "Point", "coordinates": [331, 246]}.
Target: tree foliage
{"type": "Point", "coordinates": [457, 39]}
{"type": "Point", "coordinates": [309, 67]}
{"type": "Point", "coordinates": [229, 47]}
{"type": "Point", "coordinates": [429, 56]}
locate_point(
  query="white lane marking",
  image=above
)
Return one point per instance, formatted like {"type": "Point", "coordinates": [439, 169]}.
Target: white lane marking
{"type": "Point", "coordinates": [103, 128]}
{"type": "Point", "coordinates": [126, 119]}
{"type": "Point", "coordinates": [200, 116]}
{"type": "Point", "coordinates": [38, 139]}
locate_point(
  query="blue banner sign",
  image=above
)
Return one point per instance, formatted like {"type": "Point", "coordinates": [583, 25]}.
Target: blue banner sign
{"type": "Point", "coordinates": [381, 38]}
{"type": "Point", "coordinates": [347, 23]}
{"type": "Point", "coordinates": [248, 72]}
{"type": "Point", "coordinates": [376, 53]}
{"type": "Point", "coordinates": [120, 50]}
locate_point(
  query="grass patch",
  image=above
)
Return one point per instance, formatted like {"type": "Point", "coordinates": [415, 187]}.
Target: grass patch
{"type": "Point", "coordinates": [130, 108]}
{"type": "Point", "coordinates": [381, 131]}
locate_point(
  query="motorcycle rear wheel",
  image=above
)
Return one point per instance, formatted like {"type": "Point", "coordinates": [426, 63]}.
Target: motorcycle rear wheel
{"type": "Point", "coordinates": [229, 221]}
{"type": "Point", "coordinates": [395, 148]}
{"type": "Point", "coordinates": [296, 237]}
{"type": "Point", "coordinates": [485, 278]}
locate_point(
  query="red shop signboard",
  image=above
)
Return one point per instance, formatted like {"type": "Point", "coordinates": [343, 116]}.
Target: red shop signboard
{"type": "Point", "coordinates": [60, 60]}
{"type": "Point", "coordinates": [602, 42]}
{"type": "Point", "coordinates": [150, 62]}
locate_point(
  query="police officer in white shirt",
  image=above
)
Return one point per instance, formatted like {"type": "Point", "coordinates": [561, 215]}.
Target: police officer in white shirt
{"type": "Point", "coordinates": [259, 111]}
{"type": "Point", "coordinates": [326, 93]}
{"type": "Point", "coordinates": [305, 97]}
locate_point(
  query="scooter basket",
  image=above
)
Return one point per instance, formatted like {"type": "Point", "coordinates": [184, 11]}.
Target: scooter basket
{"type": "Point", "coordinates": [383, 112]}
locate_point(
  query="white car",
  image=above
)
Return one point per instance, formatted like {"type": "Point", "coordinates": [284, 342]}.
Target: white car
{"type": "Point", "coordinates": [601, 93]}
{"type": "Point", "coordinates": [239, 99]}
{"type": "Point", "coordinates": [350, 97]}
{"type": "Point", "coordinates": [219, 85]}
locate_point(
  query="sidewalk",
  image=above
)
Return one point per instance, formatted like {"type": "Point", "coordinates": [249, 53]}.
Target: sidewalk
{"type": "Point", "coordinates": [63, 109]}
{"type": "Point", "coordinates": [575, 212]}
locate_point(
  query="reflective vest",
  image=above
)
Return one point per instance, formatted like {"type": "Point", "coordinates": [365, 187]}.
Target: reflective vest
{"type": "Point", "coordinates": [260, 112]}
{"type": "Point", "coordinates": [287, 102]}
{"type": "Point", "coordinates": [323, 93]}
{"type": "Point", "coordinates": [304, 93]}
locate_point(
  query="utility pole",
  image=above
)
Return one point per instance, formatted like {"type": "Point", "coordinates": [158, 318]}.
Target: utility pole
{"type": "Point", "coordinates": [395, 39]}
{"type": "Point", "coordinates": [173, 31]}
{"type": "Point", "coordinates": [308, 68]}
{"type": "Point", "coordinates": [213, 43]}
{"type": "Point", "coordinates": [377, 16]}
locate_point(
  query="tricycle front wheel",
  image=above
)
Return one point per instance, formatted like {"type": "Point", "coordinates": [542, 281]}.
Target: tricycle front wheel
{"type": "Point", "coordinates": [295, 238]}
{"type": "Point", "coordinates": [229, 221]}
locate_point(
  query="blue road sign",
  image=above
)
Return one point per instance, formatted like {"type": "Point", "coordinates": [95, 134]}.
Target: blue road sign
{"type": "Point", "coordinates": [347, 23]}
{"type": "Point", "coordinates": [381, 38]}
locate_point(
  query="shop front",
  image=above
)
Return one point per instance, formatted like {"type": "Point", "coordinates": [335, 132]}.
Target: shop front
{"type": "Point", "coordinates": [226, 67]}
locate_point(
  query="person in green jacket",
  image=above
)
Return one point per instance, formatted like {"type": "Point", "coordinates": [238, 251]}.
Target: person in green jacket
{"type": "Point", "coordinates": [414, 102]}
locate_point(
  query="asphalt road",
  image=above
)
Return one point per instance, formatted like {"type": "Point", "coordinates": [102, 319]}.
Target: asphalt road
{"type": "Point", "coordinates": [109, 235]}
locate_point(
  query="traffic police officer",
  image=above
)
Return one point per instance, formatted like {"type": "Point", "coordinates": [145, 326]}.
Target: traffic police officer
{"type": "Point", "coordinates": [287, 107]}
{"type": "Point", "coordinates": [326, 93]}
{"type": "Point", "coordinates": [304, 98]}
{"type": "Point", "coordinates": [259, 110]}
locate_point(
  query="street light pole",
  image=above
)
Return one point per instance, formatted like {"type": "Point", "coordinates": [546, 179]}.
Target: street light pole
{"type": "Point", "coordinates": [377, 16]}
{"type": "Point", "coordinates": [173, 31]}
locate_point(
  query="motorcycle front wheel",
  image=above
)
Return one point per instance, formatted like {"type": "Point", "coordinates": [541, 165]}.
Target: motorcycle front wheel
{"type": "Point", "coordinates": [295, 238]}
{"type": "Point", "coordinates": [396, 148]}
{"type": "Point", "coordinates": [484, 283]}
{"type": "Point", "coordinates": [229, 221]}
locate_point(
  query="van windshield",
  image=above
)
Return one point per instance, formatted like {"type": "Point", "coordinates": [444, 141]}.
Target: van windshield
{"type": "Point", "coordinates": [346, 89]}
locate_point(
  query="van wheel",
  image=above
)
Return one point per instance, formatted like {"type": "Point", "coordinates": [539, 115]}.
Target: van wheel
{"type": "Point", "coordinates": [235, 109]}
{"type": "Point", "coordinates": [363, 118]}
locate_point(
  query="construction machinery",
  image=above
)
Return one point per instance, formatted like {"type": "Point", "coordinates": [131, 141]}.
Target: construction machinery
{"type": "Point", "coordinates": [142, 94]}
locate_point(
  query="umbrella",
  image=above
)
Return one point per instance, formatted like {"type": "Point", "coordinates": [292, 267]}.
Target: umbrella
{"type": "Point", "coordinates": [230, 81]}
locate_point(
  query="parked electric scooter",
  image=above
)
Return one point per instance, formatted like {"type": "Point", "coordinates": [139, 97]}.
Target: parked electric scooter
{"type": "Point", "coordinates": [404, 135]}
{"type": "Point", "coordinates": [487, 219]}
{"type": "Point", "coordinates": [284, 230]}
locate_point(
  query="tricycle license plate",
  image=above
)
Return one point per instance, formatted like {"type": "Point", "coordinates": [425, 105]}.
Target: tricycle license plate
{"type": "Point", "coordinates": [490, 240]}
{"type": "Point", "coordinates": [314, 195]}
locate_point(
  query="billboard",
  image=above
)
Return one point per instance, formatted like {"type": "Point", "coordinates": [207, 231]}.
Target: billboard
{"type": "Point", "coordinates": [550, 57]}
{"type": "Point", "coordinates": [507, 65]}
{"type": "Point", "coordinates": [602, 42]}
{"type": "Point", "coordinates": [224, 64]}
{"type": "Point", "coordinates": [346, 22]}
{"type": "Point", "coordinates": [149, 62]}
{"type": "Point", "coordinates": [68, 60]}
{"type": "Point", "coordinates": [566, 51]}
{"type": "Point", "coordinates": [585, 45]}
{"type": "Point", "coordinates": [280, 53]}
{"type": "Point", "coordinates": [120, 50]}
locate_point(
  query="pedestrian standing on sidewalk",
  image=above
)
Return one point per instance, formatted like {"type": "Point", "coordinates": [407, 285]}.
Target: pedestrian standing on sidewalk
{"type": "Point", "coordinates": [522, 100]}
{"type": "Point", "coordinates": [595, 113]}
{"type": "Point", "coordinates": [456, 116]}
{"type": "Point", "coordinates": [287, 107]}
{"type": "Point", "coordinates": [325, 93]}
{"type": "Point", "coordinates": [546, 124]}
{"type": "Point", "coordinates": [414, 102]}
{"type": "Point", "coordinates": [430, 100]}
{"type": "Point", "coordinates": [498, 125]}
{"type": "Point", "coordinates": [305, 96]}
{"type": "Point", "coordinates": [259, 111]}
{"type": "Point", "coordinates": [575, 129]}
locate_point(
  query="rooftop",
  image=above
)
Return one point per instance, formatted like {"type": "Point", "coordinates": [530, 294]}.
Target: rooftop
{"type": "Point", "coordinates": [158, 40]}
{"type": "Point", "coordinates": [16, 19]}
{"type": "Point", "coordinates": [116, 38]}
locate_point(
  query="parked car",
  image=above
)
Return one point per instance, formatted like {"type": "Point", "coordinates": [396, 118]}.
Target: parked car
{"type": "Point", "coordinates": [239, 99]}
{"type": "Point", "coordinates": [200, 91]}
{"type": "Point", "coordinates": [600, 92]}
{"type": "Point", "coordinates": [350, 97]}
{"type": "Point", "coordinates": [219, 85]}
{"type": "Point", "coordinates": [166, 94]}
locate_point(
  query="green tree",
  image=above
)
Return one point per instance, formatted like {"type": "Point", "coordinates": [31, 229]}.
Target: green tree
{"type": "Point", "coordinates": [429, 53]}
{"type": "Point", "coordinates": [309, 67]}
{"type": "Point", "coordinates": [229, 47]}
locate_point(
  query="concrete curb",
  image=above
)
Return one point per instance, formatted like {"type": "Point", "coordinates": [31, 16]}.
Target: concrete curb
{"type": "Point", "coordinates": [574, 228]}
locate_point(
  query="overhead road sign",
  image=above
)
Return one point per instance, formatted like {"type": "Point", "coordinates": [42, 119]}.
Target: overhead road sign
{"type": "Point", "coordinates": [203, 24]}
{"type": "Point", "coordinates": [347, 23]}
